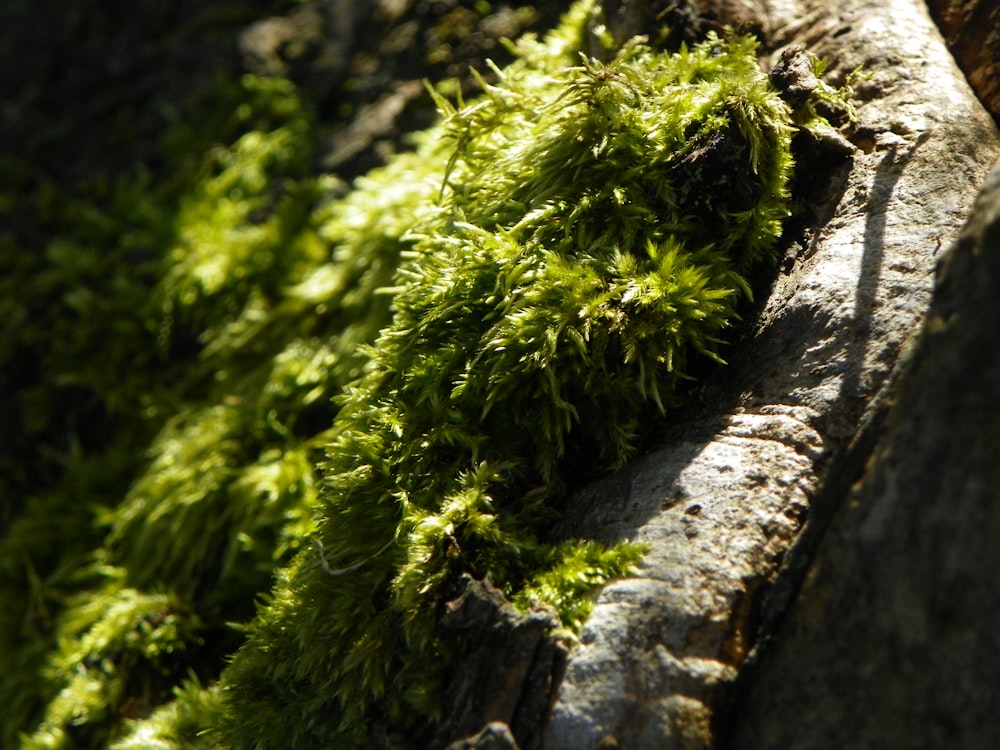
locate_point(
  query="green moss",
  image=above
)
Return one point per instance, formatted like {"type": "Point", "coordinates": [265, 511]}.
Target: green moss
{"type": "Point", "coordinates": [177, 724]}
{"type": "Point", "coordinates": [244, 372]}
{"type": "Point", "coordinates": [588, 237]}
{"type": "Point", "coordinates": [116, 648]}
{"type": "Point", "coordinates": [168, 413]}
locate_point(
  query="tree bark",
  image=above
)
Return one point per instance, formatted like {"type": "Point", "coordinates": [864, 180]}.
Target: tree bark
{"type": "Point", "coordinates": [972, 30]}
{"type": "Point", "coordinates": [736, 502]}
{"type": "Point", "coordinates": [888, 643]}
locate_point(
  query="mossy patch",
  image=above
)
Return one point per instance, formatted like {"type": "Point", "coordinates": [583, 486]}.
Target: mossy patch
{"type": "Point", "coordinates": [588, 236]}
{"type": "Point", "coordinates": [373, 394]}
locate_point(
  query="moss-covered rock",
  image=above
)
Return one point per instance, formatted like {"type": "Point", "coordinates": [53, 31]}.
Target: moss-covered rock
{"type": "Point", "coordinates": [587, 236]}
{"type": "Point", "coordinates": [373, 394]}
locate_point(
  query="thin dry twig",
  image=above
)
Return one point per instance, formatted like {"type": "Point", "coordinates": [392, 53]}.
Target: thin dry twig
{"type": "Point", "coordinates": [350, 568]}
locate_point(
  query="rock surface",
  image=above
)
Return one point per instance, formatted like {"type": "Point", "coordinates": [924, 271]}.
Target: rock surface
{"type": "Point", "coordinates": [723, 502]}
{"type": "Point", "coordinates": [508, 668]}
{"type": "Point", "coordinates": [891, 642]}
{"type": "Point", "coordinates": [972, 30]}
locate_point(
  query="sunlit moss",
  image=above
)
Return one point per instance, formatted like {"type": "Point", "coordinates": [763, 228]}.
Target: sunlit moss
{"type": "Point", "coordinates": [178, 724]}
{"type": "Point", "coordinates": [186, 372]}
{"type": "Point", "coordinates": [363, 395]}
{"type": "Point", "coordinates": [586, 237]}
{"type": "Point", "coordinates": [113, 650]}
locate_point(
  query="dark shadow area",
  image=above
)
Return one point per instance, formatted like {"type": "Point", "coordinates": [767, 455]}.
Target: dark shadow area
{"type": "Point", "coordinates": [607, 511]}
{"type": "Point", "coordinates": [92, 89]}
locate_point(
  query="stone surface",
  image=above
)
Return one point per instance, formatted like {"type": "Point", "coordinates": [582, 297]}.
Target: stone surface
{"type": "Point", "coordinates": [722, 501]}
{"type": "Point", "coordinates": [972, 31]}
{"type": "Point", "coordinates": [509, 668]}
{"type": "Point", "coordinates": [660, 646]}
{"type": "Point", "coordinates": [495, 736]}
{"type": "Point", "coordinates": [892, 642]}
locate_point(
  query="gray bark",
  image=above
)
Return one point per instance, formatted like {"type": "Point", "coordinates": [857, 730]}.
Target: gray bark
{"type": "Point", "coordinates": [892, 641]}
{"type": "Point", "coordinates": [972, 30]}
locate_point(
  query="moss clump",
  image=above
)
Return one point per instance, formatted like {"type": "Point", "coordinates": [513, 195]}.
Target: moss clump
{"type": "Point", "coordinates": [167, 421]}
{"type": "Point", "coordinates": [590, 234]}
{"type": "Point", "coordinates": [212, 334]}
{"type": "Point", "coordinates": [500, 310]}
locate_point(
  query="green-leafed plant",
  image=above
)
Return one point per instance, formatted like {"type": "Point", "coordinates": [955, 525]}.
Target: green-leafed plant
{"type": "Point", "coordinates": [368, 395]}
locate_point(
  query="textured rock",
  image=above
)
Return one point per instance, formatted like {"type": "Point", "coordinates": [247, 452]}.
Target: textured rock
{"type": "Point", "coordinates": [508, 667]}
{"type": "Point", "coordinates": [972, 30]}
{"type": "Point", "coordinates": [495, 736]}
{"type": "Point", "coordinates": [659, 647]}
{"type": "Point", "coordinates": [892, 641]}
{"type": "Point", "coordinates": [723, 501]}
